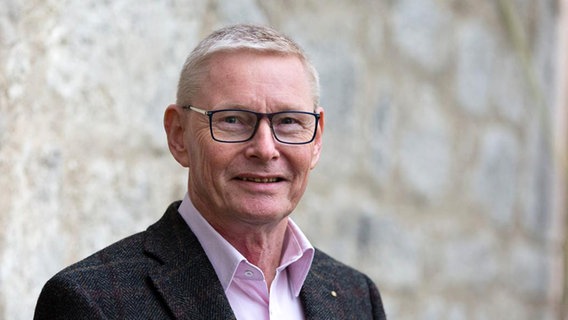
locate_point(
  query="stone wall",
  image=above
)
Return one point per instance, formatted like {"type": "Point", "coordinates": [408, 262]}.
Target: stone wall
{"type": "Point", "coordinates": [437, 169]}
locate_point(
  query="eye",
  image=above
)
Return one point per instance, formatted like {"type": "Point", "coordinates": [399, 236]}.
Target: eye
{"type": "Point", "coordinates": [231, 119]}
{"type": "Point", "coordinates": [288, 120]}
{"type": "Point", "coordinates": [291, 120]}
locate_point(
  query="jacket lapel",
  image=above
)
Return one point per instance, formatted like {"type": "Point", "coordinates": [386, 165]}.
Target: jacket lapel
{"type": "Point", "coordinates": [318, 294]}
{"type": "Point", "coordinates": [184, 278]}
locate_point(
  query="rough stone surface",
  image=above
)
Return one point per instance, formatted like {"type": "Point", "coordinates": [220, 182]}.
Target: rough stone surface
{"type": "Point", "coordinates": [476, 59]}
{"type": "Point", "coordinates": [421, 31]}
{"type": "Point", "coordinates": [425, 146]}
{"type": "Point", "coordinates": [495, 178]}
{"type": "Point", "coordinates": [435, 177]}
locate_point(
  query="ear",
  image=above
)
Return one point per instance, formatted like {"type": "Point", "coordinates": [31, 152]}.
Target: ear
{"type": "Point", "coordinates": [318, 142]}
{"type": "Point", "coordinates": [174, 124]}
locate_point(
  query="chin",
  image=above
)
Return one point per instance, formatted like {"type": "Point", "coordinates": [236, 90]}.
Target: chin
{"type": "Point", "coordinates": [263, 212]}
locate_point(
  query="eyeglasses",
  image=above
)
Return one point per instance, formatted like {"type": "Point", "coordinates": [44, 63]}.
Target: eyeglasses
{"type": "Point", "coordinates": [234, 125]}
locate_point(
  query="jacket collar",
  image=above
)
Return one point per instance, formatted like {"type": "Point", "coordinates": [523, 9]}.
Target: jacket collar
{"type": "Point", "coordinates": [184, 278]}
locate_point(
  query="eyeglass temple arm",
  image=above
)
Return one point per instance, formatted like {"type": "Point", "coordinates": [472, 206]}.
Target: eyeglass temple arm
{"type": "Point", "coordinates": [190, 107]}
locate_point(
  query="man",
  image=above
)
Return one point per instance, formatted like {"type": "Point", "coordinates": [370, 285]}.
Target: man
{"type": "Point", "coordinates": [248, 126]}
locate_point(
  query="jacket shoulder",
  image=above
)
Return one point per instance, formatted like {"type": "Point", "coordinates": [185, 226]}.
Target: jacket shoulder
{"type": "Point", "coordinates": [327, 266]}
{"type": "Point", "coordinates": [110, 279]}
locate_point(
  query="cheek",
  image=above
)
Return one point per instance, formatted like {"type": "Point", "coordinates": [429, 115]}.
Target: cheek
{"type": "Point", "coordinates": [302, 164]}
{"type": "Point", "coordinates": [196, 146]}
{"type": "Point", "coordinates": [207, 157]}
{"type": "Point", "coordinates": [199, 160]}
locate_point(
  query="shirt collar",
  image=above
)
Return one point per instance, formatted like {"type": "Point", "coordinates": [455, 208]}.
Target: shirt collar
{"type": "Point", "coordinates": [297, 256]}
{"type": "Point", "coordinates": [297, 252]}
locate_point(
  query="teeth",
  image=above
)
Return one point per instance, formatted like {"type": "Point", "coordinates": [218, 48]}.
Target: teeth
{"type": "Point", "coordinates": [259, 180]}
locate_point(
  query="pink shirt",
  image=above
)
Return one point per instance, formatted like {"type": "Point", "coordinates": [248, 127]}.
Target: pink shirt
{"type": "Point", "coordinates": [243, 282]}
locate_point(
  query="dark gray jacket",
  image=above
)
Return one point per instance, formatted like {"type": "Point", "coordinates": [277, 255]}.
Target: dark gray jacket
{"type": "Point", "coordinates": [163, 273]}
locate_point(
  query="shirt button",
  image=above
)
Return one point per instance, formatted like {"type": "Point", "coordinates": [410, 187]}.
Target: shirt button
{"type": "Point", "coordinates": [249, 274]}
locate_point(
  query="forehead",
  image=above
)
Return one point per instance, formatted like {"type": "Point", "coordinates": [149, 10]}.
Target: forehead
{"type": "Point", "coordinates": [247, 62]}
{"type": "Point", "coordinates": [257, 74]}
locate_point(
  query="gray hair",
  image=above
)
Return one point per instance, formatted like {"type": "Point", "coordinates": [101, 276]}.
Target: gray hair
{"type": "Point", "coordinates": [234, 38]}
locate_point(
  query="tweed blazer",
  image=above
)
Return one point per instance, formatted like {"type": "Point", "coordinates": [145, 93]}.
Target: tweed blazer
{"type": "Point", "coordinates": [164, 273]}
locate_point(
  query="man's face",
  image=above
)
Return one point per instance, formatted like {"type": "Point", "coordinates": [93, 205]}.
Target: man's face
{"type": "Point", "coordinates": [259, 181]}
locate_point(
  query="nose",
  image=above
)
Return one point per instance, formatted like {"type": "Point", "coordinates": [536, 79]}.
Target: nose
{"type": "Point", "coordinates": [262, 146]}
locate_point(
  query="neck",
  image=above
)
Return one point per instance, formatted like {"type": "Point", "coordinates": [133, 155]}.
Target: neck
{"type": "Point", "coordinates": [260, 246]}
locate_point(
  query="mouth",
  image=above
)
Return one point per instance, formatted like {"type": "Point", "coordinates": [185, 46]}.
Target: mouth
{"type": "Point", "coordinates": [260, 180]}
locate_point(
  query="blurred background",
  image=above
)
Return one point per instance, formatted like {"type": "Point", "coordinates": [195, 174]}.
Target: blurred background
{"type": "Point", "coordinates": [443, 175]}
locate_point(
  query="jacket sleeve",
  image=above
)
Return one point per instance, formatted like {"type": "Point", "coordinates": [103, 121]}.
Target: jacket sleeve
{"type": "Point", "coordinates": [61, 298]}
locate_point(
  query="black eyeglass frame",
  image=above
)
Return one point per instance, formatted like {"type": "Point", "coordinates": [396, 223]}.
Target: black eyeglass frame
{"type": "Point", "coordinates": [259, 116]}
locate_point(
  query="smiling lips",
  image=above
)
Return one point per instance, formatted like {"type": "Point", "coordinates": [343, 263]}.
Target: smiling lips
{"type": "Point", "coordinates": [260, 180]}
